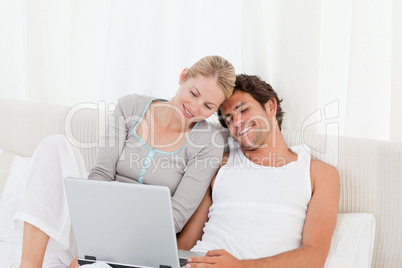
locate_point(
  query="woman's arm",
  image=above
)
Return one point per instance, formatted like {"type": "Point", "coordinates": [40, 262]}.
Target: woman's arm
{"type": "Point", "coordinates": [193, 230]}
{"type": "Point", "coordinates": [201, 167]}
{"type": "Point", "coordinates": [112, 143]}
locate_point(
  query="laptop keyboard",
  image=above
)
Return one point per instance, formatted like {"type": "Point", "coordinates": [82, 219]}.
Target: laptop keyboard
{"type": "Point", "coordinates": [183, 262]}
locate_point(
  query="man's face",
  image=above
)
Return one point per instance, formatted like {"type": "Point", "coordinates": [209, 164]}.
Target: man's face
{"type": "Point", "coordinates": [249, 124]}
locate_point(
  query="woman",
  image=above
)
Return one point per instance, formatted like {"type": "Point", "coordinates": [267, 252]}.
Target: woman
{"type": "Point", "coordinates": [150, 141]}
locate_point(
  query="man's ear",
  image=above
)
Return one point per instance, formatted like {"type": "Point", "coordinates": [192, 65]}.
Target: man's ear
{"type": "Point", "coordinates": [271, 107]}
{"type": "Point", "coordinates": [182, 75]}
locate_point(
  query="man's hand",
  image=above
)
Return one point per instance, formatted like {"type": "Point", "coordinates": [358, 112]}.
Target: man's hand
{"type": "Point", "coordinates": [214, 258]}
{"type": "Point", "coordinates": [74, 264]}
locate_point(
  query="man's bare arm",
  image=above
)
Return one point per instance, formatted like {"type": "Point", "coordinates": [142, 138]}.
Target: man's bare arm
{"type": "Point", "coordinates": [317, 232]}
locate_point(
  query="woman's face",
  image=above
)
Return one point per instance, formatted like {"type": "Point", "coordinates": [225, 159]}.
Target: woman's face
{"type": "Point", "coordinates": [198, 97]}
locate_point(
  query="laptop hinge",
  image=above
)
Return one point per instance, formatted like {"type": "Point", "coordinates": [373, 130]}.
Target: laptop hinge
{"type": "Point", "coordinates": [165, 266]}
{"type": "Point", "coordinates": [91, 258]}
{"type": "Point", "coordinates": [86, 260]}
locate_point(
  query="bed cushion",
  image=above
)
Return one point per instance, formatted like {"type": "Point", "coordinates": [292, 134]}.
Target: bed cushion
{"type": "Point", "coordinates": [352, 242]}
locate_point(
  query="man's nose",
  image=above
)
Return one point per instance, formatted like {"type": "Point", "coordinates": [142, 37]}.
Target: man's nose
{"type": "Point", "coordinates": [237, 120]}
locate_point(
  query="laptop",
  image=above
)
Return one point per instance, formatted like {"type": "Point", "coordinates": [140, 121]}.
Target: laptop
{"type": "Point", "coordinates": [123, 224]}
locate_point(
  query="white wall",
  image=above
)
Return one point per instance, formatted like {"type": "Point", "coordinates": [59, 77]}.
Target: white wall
{"type": "Point", "coordinates": [336, 64]}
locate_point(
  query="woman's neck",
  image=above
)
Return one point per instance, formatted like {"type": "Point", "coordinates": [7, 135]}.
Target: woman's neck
{"type": "Point", "coordinates": [167, 118]}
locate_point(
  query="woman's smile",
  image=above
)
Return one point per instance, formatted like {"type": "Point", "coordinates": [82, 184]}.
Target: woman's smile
{"type": "Point", "coordinates": [187, 113]}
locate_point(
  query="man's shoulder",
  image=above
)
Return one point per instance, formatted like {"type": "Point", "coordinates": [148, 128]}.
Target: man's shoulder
{"type": "Point", "coordinates": [323, 173]}
{"type": "Point", "coordinates": [225, 158]}
{"type": "Point", "coordinates": [318, 166]}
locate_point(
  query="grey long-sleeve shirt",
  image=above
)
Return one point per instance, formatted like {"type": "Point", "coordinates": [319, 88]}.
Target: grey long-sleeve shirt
{"type": "Point", "coordinates": [124, 157]}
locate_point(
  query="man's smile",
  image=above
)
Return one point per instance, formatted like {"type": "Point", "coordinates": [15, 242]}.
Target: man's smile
{"type": "Point", "coordinates": [245, 130]}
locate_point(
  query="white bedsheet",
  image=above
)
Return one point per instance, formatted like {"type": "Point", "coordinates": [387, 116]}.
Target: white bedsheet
{"type": "Point", "coordinates": [9, 259]}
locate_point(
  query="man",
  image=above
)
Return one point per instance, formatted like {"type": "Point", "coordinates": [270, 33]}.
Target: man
{"type": "Point", "coordinates": [272, 206]}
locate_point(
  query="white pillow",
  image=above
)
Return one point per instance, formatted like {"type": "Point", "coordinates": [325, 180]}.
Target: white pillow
{"type": "Point", "coordinates": [13, 174]}
{"type": "Point", "coordinates": [353, 241]}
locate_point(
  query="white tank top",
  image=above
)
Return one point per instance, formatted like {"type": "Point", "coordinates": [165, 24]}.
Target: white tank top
{"type": "Point", "coordinates": [258, 211]}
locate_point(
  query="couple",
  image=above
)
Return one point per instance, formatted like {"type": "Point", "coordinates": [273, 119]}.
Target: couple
{"type": "Point", "coordinates": [272, 206]}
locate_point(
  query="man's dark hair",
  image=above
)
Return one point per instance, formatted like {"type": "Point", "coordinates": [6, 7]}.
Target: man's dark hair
{"type": "Point", "coordinates": [259, 90]}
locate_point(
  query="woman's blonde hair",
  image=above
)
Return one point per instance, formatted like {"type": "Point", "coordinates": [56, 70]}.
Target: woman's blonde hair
{"type": "Point", "coordinates": [217, 67]}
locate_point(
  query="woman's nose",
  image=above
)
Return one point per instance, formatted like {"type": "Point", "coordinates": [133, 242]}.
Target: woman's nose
{"type": "Point", "coordinates": [197, 107]}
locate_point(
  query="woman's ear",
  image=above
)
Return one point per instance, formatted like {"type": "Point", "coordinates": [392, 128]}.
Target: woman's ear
{"type": "Point", "coordinates": [182, 75]}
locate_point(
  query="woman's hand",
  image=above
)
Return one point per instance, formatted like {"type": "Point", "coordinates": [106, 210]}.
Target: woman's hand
{"type": "Point", "coordinates": [74, 264]}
